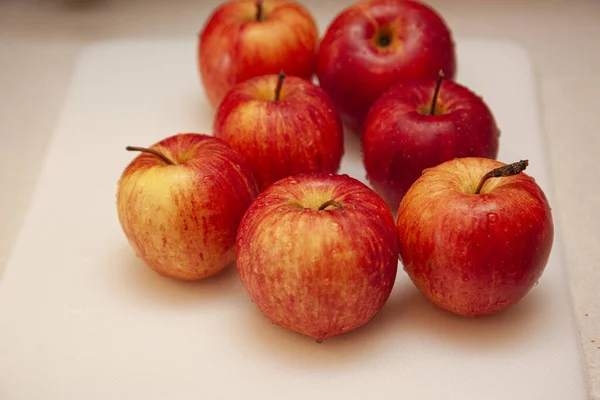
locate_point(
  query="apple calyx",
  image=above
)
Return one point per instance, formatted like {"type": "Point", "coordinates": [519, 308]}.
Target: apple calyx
{"type": "Point", "coordinates": [436, 92]}
{"type": "Point", "coordinates": [330, 203]}
{"type": "Point", "coordinates": [279, 85]}
{"type": "Point", "coordinates": [507, 170]}
{"type": "Point", "coordinates": [384, 37]}
{"type": "Point", "coordinates": [158, 154]}
{"type": "Point", "coordinates": [259, 10]}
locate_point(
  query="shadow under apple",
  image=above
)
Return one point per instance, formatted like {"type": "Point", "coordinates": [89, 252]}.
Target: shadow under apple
{"type": "Point", "coordinates": [506, 329]}
{"type": "Point", "coordinates": [141, 283]}
{"type": "Point", "coordinates": [285, 346]}
{"type": "Point", "coordinates": [408, 319]}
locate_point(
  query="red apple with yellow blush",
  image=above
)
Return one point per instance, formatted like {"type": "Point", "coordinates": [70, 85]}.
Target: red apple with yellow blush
{"type": "Point", "coordinates": [318, 254]}
{"type": "Point", "coordinates": [475, 235]}
{"type": "Point", "coordinates": [247, 38]}
{"type": "Point", "coordinates": [180, 201]}
{"type": "Point", "coordinates": [281, 125]}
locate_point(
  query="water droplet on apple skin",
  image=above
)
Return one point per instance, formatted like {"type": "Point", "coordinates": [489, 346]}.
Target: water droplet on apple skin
{"type": "Point", "coordinates": [492, 218]}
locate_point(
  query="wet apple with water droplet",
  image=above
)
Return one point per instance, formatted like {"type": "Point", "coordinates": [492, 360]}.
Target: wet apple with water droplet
{"type": "Point", "coordinates": [474, 254]}
{"type": "Point", "coordinates": [282, 126]}
{"type": "Point", "coordinates": [418, 124]}
{"type": "Point", "coordinates": [179, 204]}
{"type": "Point", "coordinates": [321, 258]}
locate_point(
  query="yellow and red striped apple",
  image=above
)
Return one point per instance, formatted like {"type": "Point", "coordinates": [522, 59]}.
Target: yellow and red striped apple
{"type": "Point", "coordinates": [318, 254]}
{"type": "Point", "coordinates": [282, 126]}
{"type": "Point", "coordinates": [180, 202]}
{"type": "Point", "coordinates": [475, 249]}
{"type": "Point", "coordinates": [247, 38]}
{"type": "Point", "coordinates": [373, 44]}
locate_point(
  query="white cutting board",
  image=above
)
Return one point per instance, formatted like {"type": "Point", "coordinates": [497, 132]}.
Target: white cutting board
{"type": "Point", "coordinates": [82, 319]}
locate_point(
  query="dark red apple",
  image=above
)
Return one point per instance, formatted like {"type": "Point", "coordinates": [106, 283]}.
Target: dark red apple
{"type": "Point", "coordinates": [475, 249]}
{"type": "Point", "coordinates": [318, 254]}
{"type": "Point", "coordinates": [404, 133]}
{"type": "Point", "coordinates": [374, 44]}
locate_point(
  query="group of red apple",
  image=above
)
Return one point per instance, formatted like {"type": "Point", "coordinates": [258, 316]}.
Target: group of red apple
{"type": "Point", "coordinates": [316, 251]}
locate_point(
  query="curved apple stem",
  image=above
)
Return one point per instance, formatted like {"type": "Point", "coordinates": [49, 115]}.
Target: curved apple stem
{"type": "Point", "coordinates": [436, 92]}
{"type": "Point", "coordinates": [259, 10]}
{"type": "Point", "coordinates": [279, 85]}
{"type": "Point", "coordinates": [330, 203]}
{"type": "Point", "coordinates": [151, 151]}
{"type": "Point", "coordinates": [507, 170]}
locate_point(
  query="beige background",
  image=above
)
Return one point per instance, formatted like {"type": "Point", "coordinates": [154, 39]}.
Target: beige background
{"type": "Point", "coordinates": [39, 42]}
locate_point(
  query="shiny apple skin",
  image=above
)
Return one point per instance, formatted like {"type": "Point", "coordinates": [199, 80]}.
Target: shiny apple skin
{"type": "Point", "coordinates": [355, 71]}
{"type": "Point", "coordinates": [300, 133]}
{"type": "Point", "coordinates": [320, 273]}
{"type": "Point", "coordinates": [233, 46]}
{"type": "Point", "coordinates": [474, 255]}
{"type": "Point", "coordinates": [182, 219]}
{"type": "Point", "coordinates": [400, 141]}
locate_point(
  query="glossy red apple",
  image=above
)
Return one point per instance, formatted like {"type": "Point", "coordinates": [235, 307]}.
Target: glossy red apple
{"type": "Point", "coordinates": [318, 254]}
{"type": "Point", "coordinates": [374, 44]}
{"type": "Point", "coordinates": [404, 133]}
{"type": "Point", "coordinates": [471, 252]}
{"type": "Point", "coordinates": [282, 126]}
{"type": "Point", "coordinates": [180, 202]}
{"type": "Point", "coordinates": [242, 39]}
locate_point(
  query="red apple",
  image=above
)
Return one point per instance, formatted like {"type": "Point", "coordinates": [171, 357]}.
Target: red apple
{"type": "Point", "coordinates": [475, 253]}
{"type": "Point", "coordinates": [247, 38]}
{"type": "Point", "coordinates": [373, 44]}
{"type": "Point", "coordinates": [180, 203]}
{"type": "Point", "coordinates": [281, 126]}
{"type": "Point", "coordinates": [318, 254]}
{"type": "Point", "coordinates": [403, 136]}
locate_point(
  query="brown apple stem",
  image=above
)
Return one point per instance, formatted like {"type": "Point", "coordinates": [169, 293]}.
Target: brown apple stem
{"type": "Point", "coordinates": [436, 92]}
{"type": "Point", "coordinates": [507, 170]}
{"type": "Point", "coordinates": [151, 151]}
{"type": "Point", "coordinates": [330, 203]}
{"type": "Point", "coordinates": [259, 10]}
{"type": "Point", "coordinates": [279, 85]}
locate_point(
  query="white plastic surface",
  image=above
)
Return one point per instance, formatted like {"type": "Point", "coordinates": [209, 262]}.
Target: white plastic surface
{"type": "Point", "coordinates": [82, 318]}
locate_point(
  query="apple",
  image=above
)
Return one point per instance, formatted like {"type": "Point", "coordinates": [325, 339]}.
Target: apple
{"type": "Point", "coordinates": [242, 39]}
{"type": "Point", "coordinates": [318, 254]}
{"type": "Point", "coordinates": [419, 124]}
{"type": "Point", "coordinates": [180, 202]}
{"type": "Point", "coordinates": [282, 126]}
{"type": "Point", "coordinates": [475, 235]}
{"type": "Point", "coordinates": [373, 44]}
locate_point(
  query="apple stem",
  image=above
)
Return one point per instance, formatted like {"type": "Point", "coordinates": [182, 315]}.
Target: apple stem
{"type": "Point", "coordinates": [279, 85]}
{"type": "Point", "coordinates": [436, 92]}
{"type": "Point", "coordinates": [507, 170]}
{"type": "Point", "coordinates": [151, 151]}
{"type": "Point", "coordinates": [259, 10]}
{"type": "Point", "coordinates": [330, 203]}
